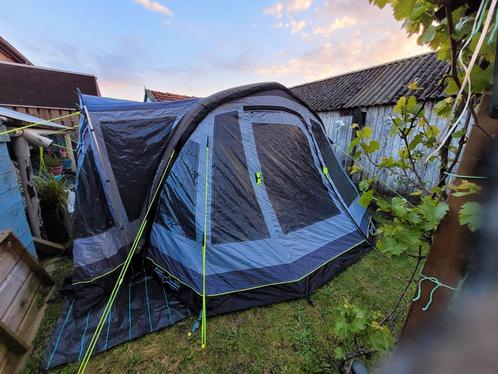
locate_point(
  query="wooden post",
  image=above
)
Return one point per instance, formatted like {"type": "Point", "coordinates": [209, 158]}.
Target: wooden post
{"type": "Point", "coordinates": [450, 248]}
{"type": "Point", "coordinates": [21, 148]}
{"type": "Point", "coordinates": [70, 152]}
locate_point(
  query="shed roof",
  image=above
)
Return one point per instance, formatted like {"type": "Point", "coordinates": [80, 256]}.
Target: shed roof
{"type": "Point", "coordinates": [8, 50]}
{"type": "Point", "coordinates": [376, 85]}
{"type": "Point", "coordinates": [152, 95]}
{"type": "Point", "coordinates": [24, 117]}
{"type": "Point", "coordinates": [33, 86]}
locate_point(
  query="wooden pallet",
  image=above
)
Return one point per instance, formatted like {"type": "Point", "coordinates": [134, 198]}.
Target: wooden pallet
{"type": "Point", "coordinates": [24, 288]}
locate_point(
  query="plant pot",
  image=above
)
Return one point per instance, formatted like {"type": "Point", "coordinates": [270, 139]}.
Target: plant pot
{"type": "Point", "coordinates": [66, 163]}
{"type": "Point", "coordinates": [55, 170]}
{"type": "Point", "coordinates": [55, 227]}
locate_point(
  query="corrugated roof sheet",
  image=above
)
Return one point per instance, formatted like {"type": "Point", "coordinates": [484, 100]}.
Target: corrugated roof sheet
{"type": "Point", "coordinates": [9, 113]}
{"type": "Point", "coordinates": [377, 85]}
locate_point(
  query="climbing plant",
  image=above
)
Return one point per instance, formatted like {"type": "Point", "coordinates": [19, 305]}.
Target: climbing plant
{"type": "Point", "coordinates": [465, 37]}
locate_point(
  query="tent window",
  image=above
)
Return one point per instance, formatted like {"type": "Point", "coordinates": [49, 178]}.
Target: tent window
{"type": "Point", "coordinates": [176, 208]}
{"type": "Point", "coordinates": [292, 180]}
{"type": "Point", "coordinates": [134, 148]}
{"type": "Point", "coordinates": [236, 214]}
{"type": "Point", "coordinates": [91, 214]}
{"type": "Point", "coordinates": [337, 174]}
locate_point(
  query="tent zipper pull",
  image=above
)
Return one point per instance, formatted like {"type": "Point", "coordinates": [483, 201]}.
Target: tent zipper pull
{"type": "Point", "coordinates": [258, 177]}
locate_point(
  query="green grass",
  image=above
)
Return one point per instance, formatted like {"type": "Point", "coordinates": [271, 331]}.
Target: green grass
{"type": "Point", "coordinates": [288, 337]}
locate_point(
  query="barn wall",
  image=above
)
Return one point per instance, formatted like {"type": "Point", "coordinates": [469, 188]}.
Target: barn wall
{"type": "Point", "coordinates": [340, 132]}
{"type": "Point", "coordinates": [12, 214]}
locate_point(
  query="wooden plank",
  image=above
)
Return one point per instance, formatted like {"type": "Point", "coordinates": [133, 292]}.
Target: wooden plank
{"type": "Point", "coordinates": [3, 354]}
{"type": "Point", "coordinates": [12, 341]}
{"type": "Point", "coordinates": [12, 284]}
{"type": "Point", "coordinates": [26, 330]}
{"type": "Point", "coordinates": [12, 242]}
{"type": "Point", "coordinates": [21, 303]}
{"type": "Point", "coordinates": [8, 260]}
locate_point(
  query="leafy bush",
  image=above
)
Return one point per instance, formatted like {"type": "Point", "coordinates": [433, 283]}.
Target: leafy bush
{"type": "Point", "coordinates": [360, 329]}
{"type": "Point", "coordinates": [51, 161]}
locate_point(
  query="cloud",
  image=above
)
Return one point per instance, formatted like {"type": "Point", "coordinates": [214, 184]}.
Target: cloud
{"type": "Point", "coordinates": [298, 5]}
{"type": "Point", "coordinates": [337, 24]}
{"type": "Point", "coordinates": [275, 10]}
{"type": "Point", "coordinates": [154, 6]}
{"type": "Point", "coordinates": [331, 59]}
{"type": "Point", "coordinates": [293, 26]}
{"type": "Point", "coordinates": [278, 9]}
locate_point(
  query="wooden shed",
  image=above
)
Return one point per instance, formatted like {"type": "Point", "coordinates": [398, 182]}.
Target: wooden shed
{"type": "Point", "coordinates": [367, 97]}
{"type": "Point", "coordinates": [12, 213]}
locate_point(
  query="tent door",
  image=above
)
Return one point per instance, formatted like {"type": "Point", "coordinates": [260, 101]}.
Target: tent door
{"type": "Point", "coordinates": [288, 179]}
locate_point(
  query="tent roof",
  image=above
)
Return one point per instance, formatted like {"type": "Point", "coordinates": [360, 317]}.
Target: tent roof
{"type": "Point", "coordinates": [103, 104]}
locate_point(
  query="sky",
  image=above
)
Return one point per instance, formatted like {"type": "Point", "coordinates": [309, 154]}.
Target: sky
{"type": "Point", "coordinates": [196, 47]}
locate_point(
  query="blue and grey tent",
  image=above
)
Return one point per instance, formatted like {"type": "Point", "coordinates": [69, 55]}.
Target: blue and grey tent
{"type": "Point", "coordinates": [245, 200]}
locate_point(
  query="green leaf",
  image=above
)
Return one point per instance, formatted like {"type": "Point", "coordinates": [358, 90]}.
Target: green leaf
{"type": "Point", "coordinates": [403, 9]}
{"type": "Point", "coordinates": [379, 3]}
{"type": "Point", "coordinates": [451, 87]}
{"type": "Point", "coordinates": [366, 132]}
{"type": "Point", "coordinates": [366, 198]}
{"type": "Point", "coordinates": [481, 79]}
{"type": "Point", "coordinates": [443, 107]}
{"type": "Point", "coordinates": [412, 86]}
{"type": "Point", "coordinates": [379, 337]}
{"type": "Point", "coordinates": [371, 147]}
{"type": "Point", "coordinates": [400, 105]}
{"type": "Point", "coordinates": [364, 184]}
{"type": "Point", "coordinates": [412, 106]}
{"type": "Point", "coordinates": [470, 214]}
{"type": "Point", "coordinates": [427, 35]}
{"type": "Point", "coordinates": [465, 188]}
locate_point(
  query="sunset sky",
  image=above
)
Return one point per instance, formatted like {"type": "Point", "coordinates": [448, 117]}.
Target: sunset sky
{"type": "Point", "coordinates": [200, 47]}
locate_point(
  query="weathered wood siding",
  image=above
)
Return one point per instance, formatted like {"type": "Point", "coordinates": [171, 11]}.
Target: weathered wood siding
{"type": "Point", "coordinates": [24, 286]}
{"type": "Point", "coordinates": [12, 214]}
{"type": "Point", "coordinates": [339, 130]}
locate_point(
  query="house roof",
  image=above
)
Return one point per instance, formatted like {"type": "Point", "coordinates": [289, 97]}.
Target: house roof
{"type": "Point", "coordinates": [8, 49]}
{"type": "Point", "coordinates": [27, 85]}
{"type": "Point", "coordinates": [152, 95]}
{"type": "Point", "coordinates": [376, 85]}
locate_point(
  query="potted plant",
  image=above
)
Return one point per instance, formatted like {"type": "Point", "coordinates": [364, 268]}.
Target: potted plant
{"type": "Point", "coordinates": [53, 164]}
{"type": "Point", "coordinates": [53, 195]}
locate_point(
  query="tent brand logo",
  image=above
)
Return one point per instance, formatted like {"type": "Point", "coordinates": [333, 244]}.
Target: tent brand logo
{"type": "Point", "coordinates": [166, 279]}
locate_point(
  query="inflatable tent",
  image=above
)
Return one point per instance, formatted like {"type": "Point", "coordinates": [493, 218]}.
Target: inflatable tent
{"type": "Point", "coordinates": [245, 201]}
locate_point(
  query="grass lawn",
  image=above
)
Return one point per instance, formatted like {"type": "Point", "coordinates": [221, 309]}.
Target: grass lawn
{"type": "Point", "coordinates": [288, 337]}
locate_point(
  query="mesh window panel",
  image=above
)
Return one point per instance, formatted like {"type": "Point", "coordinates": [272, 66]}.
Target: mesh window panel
{"type": "Point", "coordinates": [134, 148]}
{"type": "Point", "coordinates": [91, 212]}
{"type": "Point", "coordinates": [337, 174]}
{"type": "Point", "coordinates": [236, 214]}
{"type": "Point", "coordinates": [294, 184]}
{"type": "Point", "coordinates": [176, 207]}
